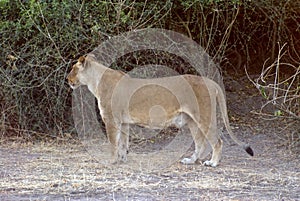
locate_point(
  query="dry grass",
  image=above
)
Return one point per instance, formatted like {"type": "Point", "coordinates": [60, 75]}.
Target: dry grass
{"type": "Point", "coordinates": [65, 171]}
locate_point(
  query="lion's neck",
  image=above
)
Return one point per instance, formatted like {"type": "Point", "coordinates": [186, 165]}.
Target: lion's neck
{"type": "Point", "coordinates": [94, 76]}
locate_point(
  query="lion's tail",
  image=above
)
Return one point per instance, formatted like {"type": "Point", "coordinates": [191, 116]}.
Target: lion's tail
{"type": "Point", "coordinates": [223, 107]}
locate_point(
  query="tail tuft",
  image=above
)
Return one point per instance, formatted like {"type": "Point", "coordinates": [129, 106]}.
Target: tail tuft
{"type": "Point", "coordinates": [249, 150]}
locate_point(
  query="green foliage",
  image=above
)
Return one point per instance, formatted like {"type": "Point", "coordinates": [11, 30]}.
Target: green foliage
{"type": "Point", "coordinates": [38, 43]}
{"type": "Point", "coordinates": [41, 39]}
{"type": "Point", "coordinates": [277, 113]}
{"type": "Point", "coordinates": [263, 92]}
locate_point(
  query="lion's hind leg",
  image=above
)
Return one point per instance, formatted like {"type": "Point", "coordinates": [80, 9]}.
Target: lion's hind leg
{"type": "Point", "coordinates": [215, 142]}
{"type": "Point", "coordinates": [216, 154]}
{"type": "Point", "coordinates": [200, 143]}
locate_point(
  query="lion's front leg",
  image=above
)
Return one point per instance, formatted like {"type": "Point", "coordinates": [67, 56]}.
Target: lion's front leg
{"type": "Point", "coordinates": [118, 143]}
{"type": "Point", "coordinates": [124, 138]}
{"type": "Point", "coordinates": [112, 133]}
{"type": "Point", "coordinates": [123, 143]}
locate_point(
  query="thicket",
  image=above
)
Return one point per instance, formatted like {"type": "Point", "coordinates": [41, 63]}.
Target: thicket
{"type": "Point", "coordinates": [40, 40]}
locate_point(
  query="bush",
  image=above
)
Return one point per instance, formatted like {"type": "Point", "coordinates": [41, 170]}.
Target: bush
{"type": "Point", "coordinates": [39, 43]}
{"type": "Point", "coordinates": [41, 39]}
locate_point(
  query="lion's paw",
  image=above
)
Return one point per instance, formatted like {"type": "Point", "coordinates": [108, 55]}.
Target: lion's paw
{"type": "Point", "coordinates": [210, 163]}
{"type": "Point", "coordinates": [122, 157]}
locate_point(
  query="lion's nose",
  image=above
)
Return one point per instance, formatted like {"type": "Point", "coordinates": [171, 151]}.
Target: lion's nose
{"type": "Point", "coordinates": [70, 80]}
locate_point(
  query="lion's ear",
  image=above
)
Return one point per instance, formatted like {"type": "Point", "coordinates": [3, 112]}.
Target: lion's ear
{"type": "Point", "coordinates": [81, 59]}
{"type": "Point", "coordinates": [80, 63]}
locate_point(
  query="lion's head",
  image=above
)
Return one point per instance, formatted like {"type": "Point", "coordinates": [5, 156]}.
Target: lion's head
{"type": "Point", "coordinates": [74, 76]}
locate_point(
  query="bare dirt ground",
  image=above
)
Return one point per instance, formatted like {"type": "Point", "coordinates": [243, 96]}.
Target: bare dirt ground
{"type": "Point", "coordinates": [66, 171]}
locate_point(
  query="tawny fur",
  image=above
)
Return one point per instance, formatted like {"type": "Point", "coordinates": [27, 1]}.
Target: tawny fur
{"type": "Point", "coordinates": [155, 103]}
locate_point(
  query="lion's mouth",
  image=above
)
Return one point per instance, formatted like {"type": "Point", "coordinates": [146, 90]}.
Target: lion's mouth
{"type": "Point", "coordinates": [74, 85]}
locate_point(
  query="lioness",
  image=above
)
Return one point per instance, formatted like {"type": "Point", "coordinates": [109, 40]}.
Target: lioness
{"type": "Point", "coordinates": [155, 103]}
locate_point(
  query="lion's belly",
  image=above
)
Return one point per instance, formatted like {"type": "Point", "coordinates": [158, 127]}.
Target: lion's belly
{"type": "Point", "coordinates": [159, 120]}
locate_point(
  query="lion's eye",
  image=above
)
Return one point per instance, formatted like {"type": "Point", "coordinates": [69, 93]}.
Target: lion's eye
{"type": "Point", "coordinates": [75, 70]}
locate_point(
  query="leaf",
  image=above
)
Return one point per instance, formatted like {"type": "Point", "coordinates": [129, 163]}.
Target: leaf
{"type": "Point", "coordinates": [277, 113]}
{"type": "Point", "coordinates": [263, 92]}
